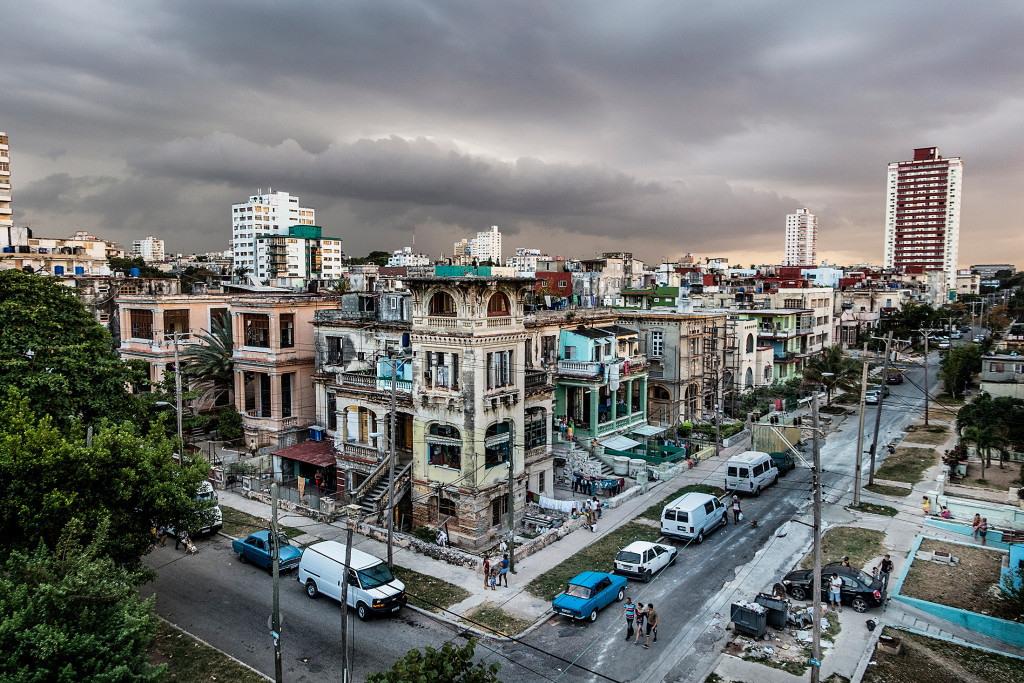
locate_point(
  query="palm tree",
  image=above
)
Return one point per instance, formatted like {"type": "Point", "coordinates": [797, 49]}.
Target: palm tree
{"type": "Point", "coordinates": [241, 271]}
{"type": "Point", "coordinates": [984, 440]}
{"type": "Point", "coordinates": [210, 362]}
{"type": "Point", "coordinates": [832, 370]}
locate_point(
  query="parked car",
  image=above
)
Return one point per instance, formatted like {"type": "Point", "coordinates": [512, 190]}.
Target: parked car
{"type": "Point", "coordinates": [372, 588]}
{"type": "Point", "coordinates": [859, 590]}
{"type": "Point", "coordinates": [750, 472]}
{"type": "Point", "coordinates": [978, 339]}
{"type": "Point", "coordinates": [643, 559]}
{"type": "Point", "coordinates": [692, 515]}
{"type": "Point", "coordinates": [587, 593]}
{"type": "Point", "coordinates": [955, 334]}
{"type": "Point", "coordinates": [255, 548]}
{"type": "Point", "coordinates": [894, 378]}
{"type": "Point", "coordinates": [783, 461]}
{"type": "Point", "coordinates": [944, 344]}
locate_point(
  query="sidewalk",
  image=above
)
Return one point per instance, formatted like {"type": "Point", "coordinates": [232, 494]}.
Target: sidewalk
{"type": "Point", "coordinates": [515, 599]}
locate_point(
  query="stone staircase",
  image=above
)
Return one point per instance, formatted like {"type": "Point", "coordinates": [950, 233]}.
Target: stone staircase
{"type": "Point", "coordinates": [370, 503]}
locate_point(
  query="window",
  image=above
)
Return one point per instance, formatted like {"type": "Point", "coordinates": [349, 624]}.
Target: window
{"type": "Point", "coordinates": [334, 351]}
{"type": "Point", "coordinates": [498, 305]}
{"type": "Point", "coordinates": [444, 446]}
{"type": "Point", "coordinates": [497, 444]}
{"type": "Point", "coordinates": [442, 370]}
{"type": "Point", "coordinates": [657, 343]}
{"type": "Point", "coordinates": [499, 369]}
{"type": "Point", "coordinates": [286, 394]}
{"type": "Point", "coordinates": [562, 283]}
{"type": "Point", "coordinates": [257, 330]}
{"type": "Point", "coordinates": [442, 303]}
{"type": "Point", "coordinates": [287, 330]}
{"type": "Point", "coordinates": [540, 482]}
{"type": "Point", "coordinates": [570, 353]}
{"type": "Point", "coordinates": [176, 321]}
{"type": "Point", "coordinates": [265, 393]}
{"type": "Point", "coordinates": [332, 411]}
{"type": "Point", "coordinates": [447, 508]}
{"type": "Point", "coordinates": [535, 433]}
{"type": "Point", "coordinates": [141, 323]}
{"type": "Point", "coordinates": [220, 316]}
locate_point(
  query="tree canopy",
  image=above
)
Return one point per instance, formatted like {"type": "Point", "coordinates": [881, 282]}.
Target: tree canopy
{"type": "Point", "coordinates": [833, 371]}
{"type": "Point", "coordinates": [210, 362]}
{"type": "Point", "coordinates": [126, 264]}
{"type": "Point", "coordinates": [450, 664]}
{"type": "Point", "coordinates": [957, 366]}
{"type": "Point", "coordinates": [54, 353]}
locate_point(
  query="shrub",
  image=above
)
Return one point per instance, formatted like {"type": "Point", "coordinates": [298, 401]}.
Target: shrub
{"type": "Point", "coordinates": [229, 424]}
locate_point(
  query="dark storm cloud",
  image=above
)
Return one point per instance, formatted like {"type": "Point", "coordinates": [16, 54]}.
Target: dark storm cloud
{"type": "Point", "coordinates": [668, 122]}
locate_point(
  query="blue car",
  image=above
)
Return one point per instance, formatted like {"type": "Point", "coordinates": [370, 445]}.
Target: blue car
{"type": "Point", "coordinates": [255, 548]}
{"type": "Point", "coordinates": [587, 593]}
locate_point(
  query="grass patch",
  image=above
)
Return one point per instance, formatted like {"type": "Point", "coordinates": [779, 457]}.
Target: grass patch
{"type": "Point", "coordinates": [907, 464]}
{"type": "Point", "coordinates": [965, 585]}
{"type": "Point", "coordinates": [874, 509]}
{"type": "Point", "coordinates": [847, 399]}
{"type": "Point", "coordinates": [490, 617]}
{"type": "Point", "coordinates": [832, 628]}
{"type": "Point", "coordinates": [947, 400]}
{"type": "Point", "coordinates": [654, 512]}
{"type": "Point", "coordinates": [189, 660]}
{"type": "Point", "coordinates": [797, 668]}
{"type": "Point", "coordinates": [939, 661]}
{"type": "Point", "coordinates": [430, 593]}
{"type": "Point", "coordinates": [862, 545]}
{"type": "Point", "coordinates": [240, 524]}
{"type": "Point", "coordinates": [932, 435]}
{"type": "Point", "coordinates": [598, 556]}
{"type": "Point", "coordinates": [832, 410]}
{"type": "Point", "coordinates": [836, 678]}
{"type": "Point", "coordinates": [886, 490]}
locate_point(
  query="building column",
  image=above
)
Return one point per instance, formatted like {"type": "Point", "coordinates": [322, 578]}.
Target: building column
{"type": "Point", "coordinates": [595, 416]}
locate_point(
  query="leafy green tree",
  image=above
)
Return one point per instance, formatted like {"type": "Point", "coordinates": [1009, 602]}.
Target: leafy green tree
{"type": "Point", "coordinates": [833, 371]}
{"type": "Point", "coordinates": [450, 664]}
{"type": "Point", "coordinates": [71, 614]}
{"type": "Point", "coordinates": [999, 422]}
{"type": "Point", "coordinates": [126, 264]}
{"type": "Point", "coordinates": [48, 480]}
{"type": "Point", "coordinates": [229, 424]}
{"type": "Point", "coordinates": [209, 362]}
{"type": "Point", "coordinates": [376, 257]}
{"type": "Point", "coordinates": [957, 366]}
{"type": "Point", "coordinates": [194, 274]}
{"type": "Point", "coordinates": [984, 440]}
{"type": "Point", "coordinates": [54, 353]}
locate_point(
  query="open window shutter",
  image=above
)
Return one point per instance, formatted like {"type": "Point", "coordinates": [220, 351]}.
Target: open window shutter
{"type": "Point", "coordinates": [455, 371]}
{"type": "Point", "coordinates": [490, 371]}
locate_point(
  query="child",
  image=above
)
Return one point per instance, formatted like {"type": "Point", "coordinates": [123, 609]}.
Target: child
{"type": "Point", "coordinates": [494, 578]}
{"type": "Point", "coordinates": [945, 513]}
{"type": "Point", "coordinates": [874, 574]}
{"type": "Point", "coordinates": [927, 505]}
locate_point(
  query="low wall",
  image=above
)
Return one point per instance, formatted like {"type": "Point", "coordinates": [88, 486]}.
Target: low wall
{"type": "Point", "coordinates": [1005, 516]}
{"type": "Point", "coordinates": [735, 439]}
{"type": "Point", "coordinates": [1010, 632]}
{"type": "Point", "coordinates": [994, 539]}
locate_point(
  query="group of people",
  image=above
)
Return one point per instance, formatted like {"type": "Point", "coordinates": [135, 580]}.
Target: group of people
{"type": "Point", "coordinates": [181, 538]}
{"type": "Point", "coordinates": [495, 573]}
{"type": "Point", "coordinates": [645, 617]}
{"type": "Point", "coordinates": [980, 528]}
{"type": "Point", "coordinates": [592, 509]}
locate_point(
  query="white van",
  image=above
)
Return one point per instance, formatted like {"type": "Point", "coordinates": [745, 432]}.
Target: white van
{"type": "Point", "coordinates": [692, 515]}
{"type": "Point", "coordinates": [213, 518]}
{"type": "Point", "coordinates": [372, 588]}
{"type": "Point", "coordinates": [750, 472]}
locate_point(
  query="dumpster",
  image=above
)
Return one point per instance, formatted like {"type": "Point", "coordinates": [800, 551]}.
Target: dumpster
{"type": "Point", "coordinates": [778, 609]}
{"type": "Point", "coordinates": [750, 618]}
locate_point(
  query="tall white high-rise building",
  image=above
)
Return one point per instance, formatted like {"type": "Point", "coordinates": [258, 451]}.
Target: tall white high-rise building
{"type": "Point", "coordinates": [6, 217]}
{"type": "Point", "coordinates": [265, 214]}
{"type": "Point", "coordinates": [487, 246]}
{"type": "Point", "coordinates": [922, 215]}
{"type": "Point", "coordinates": [150, 249]}
{"type": "Point", "coordinates": [801, 239]}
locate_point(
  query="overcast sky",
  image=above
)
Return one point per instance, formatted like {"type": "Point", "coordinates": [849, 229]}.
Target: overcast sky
{"type": "Point", "coordinates": [576, 127]}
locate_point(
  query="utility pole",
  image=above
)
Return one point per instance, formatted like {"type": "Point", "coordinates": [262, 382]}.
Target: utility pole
{"type": "Point", "coordinates": [391, 461]}
{"type": "Point", "coordinates": [816, 585]}
{"type": "Point", "coordinates": [860, 428]}
{"type": "Point", "coordinates": [275, 554]}
{"type": "Point", "coordinates": [177, 386]}
{"type": "Point", "coordinates": [345, 673]}
{"type": "Point", "coordinates": [926, 395]}
{"type": "Point", "coordinates": [878, 413]}
{"type": "Point", "coordinates": [511, 497]}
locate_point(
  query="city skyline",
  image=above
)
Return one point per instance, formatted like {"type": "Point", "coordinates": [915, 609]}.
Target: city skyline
{"type": "Point", "coordinates": [675, 130]}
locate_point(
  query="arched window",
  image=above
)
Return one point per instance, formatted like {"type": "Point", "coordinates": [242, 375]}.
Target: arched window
{"type": "Point", "coordinates": [496, 444]}
{"type": "Point", "coordinates": [448, 508]}
{"type": "Point", "coordinates": [660, 393]}
{"type": "Point", "coordinates": [748, 380]}
{"type": "Point", "coordinates": [750, 343]}
{"type": "Point", "coordinates": [442, 303]}
{"type": "Point", "coordinates": [444, 446]}
{"type": "Point", "coordinates": [498, 305]}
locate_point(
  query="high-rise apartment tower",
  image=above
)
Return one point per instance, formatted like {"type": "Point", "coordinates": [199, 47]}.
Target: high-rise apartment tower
{"type": "Point", "coordinates": [6, 219]}
{"type": "Point", "coordinates": [801, 239]}
{"type": "Point", "coordinates": [922, 216]}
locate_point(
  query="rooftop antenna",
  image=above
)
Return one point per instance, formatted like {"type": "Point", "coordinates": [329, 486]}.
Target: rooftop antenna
{"type": "Point", "coordinates": [414, 238]}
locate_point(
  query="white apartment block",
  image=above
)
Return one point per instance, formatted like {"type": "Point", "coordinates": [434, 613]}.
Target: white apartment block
{"type": "Point", "coordinates": [486, 246]}
{"type": "Point", "coordinates": [525, 260]}
{"type": "Point", "coordinates": [150, 249]}
{"type": "Point", "coordinates": [6, 219]}
{"type": "Point", "coordinates": [922, 215]}
{"type": "Point", "coordinates": [269, 213]}
{"type": "Point", "coordinates": [403, 258]}
{"type": "Point", "coordinates": [801, 239]}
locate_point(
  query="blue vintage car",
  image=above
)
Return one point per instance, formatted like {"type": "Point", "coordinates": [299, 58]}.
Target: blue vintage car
{"type": "Point", "coordinates": [587, 593]}
{"type": "Point", "coordinates": [255, 548]}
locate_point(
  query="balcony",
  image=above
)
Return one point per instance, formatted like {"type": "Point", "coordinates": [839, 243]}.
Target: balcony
{"type": "Point", "coordinates": [358, 380]}
{"type": "Point", "coordinates": [536, 380]}
{"type": "Point", "coordinates": [785, 358]}
{"type": "Point", "coordinates": [499, 322]}
{"type": "Point", "coordinates": [442, 322]}
{"type": "Point", "coordinates": [579, 368]}
{"type": "Point", "coordinates": [359, 451]}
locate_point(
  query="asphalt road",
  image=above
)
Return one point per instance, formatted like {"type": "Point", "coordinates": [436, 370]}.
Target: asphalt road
{"type": "Point", "coordinates": [227, 604]}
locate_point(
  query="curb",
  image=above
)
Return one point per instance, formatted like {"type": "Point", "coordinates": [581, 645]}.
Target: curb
{"type": "Point", "coordinates": [216, 649]}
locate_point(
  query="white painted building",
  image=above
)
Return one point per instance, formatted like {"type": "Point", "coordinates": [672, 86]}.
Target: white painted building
{"type": "Point", "coordinates": [149, 249]}
{"type": "Point", "coordinates": [801, 239]}
{"type": "Point", "coordinates": [403, 258]}
{"type": "Point", "coordinates": [6, 219]}
{"type": "Point", "coordinates": [525, 260]}
{"type": "Point", "coordinates": [265, 213]}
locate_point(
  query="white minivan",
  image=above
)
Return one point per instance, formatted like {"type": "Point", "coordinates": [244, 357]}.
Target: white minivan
{"type": "Point", "coordinates": [750, 472]}
{"type": "Point", "coordinates": [372, 588]}
{"type": "Point", "coordinates": [692, 515]}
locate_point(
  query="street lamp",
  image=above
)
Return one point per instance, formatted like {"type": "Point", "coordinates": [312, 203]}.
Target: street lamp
{"type": "Point", "coordinates": [165, 404]}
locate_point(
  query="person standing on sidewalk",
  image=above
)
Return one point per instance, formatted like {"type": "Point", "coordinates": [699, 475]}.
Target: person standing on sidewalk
{"type": "Point", "coordinates": [886, 569]}
{"type": "Point", "coordinates": [652, 624]}
{"type": "Point", "coordinates": [736, 511]}
{"type": "Point", "coordinates": [641, 613]}
{"type": "Point", "coordinates": [976, 525]}
{"type": "Point", "coordinates": [629, 609]}
{"type": "Point", "coordinates": [926, 505]}
{"type": "Point", "coordinates": [504, 569]}
{"type": "Point", "coordinates": [835, 587]}
{"type": "Point", "coordinates": [983, 529]}
{"type": "Point", "coordinates": [487, 573]}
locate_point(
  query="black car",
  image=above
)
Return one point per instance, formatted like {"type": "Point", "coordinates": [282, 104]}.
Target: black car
{"type": "Point", "coordinates": [859, 590]}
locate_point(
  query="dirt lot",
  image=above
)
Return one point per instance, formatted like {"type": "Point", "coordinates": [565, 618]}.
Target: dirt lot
{"type": "Point", "coordinates": [932, 435]}
{"type": "Point", "coordinates": [995, 479]}
{"type": "Point", "coordinates": [908, 464]}
{"type": "Point", "coordinates": [965, 585]}
{"type": "Point", "coordinates": [927, 660]}
{"type": "Point", "coordinates": [862, 545]}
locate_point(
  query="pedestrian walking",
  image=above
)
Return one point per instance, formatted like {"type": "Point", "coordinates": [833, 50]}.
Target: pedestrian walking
{"type": "Point", "coordinates": [504, 569]}
{"type": "Point", "coordinates": [161, 533]}
{"type": "Point", "coordinates": [835, 586]}
{"type": "Point", "coordinates": [976, 525]}
{"type": "Point", "coordinates": [629, 610]}
{"type": "Point", "coordinates": [736, 511]}
{"type": "Point", "coordinates": [652, 625]}
{"type": "Point", "coordinates": [886, 569]}
{"type": "Point", "coordinates": [926, 505]}
{"type": "Point", "coordinates": [487, 573]}
{"type": "Point", "coordinates": [983, 529]}
{"type": "Point", "coordinates": [641, 615]}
